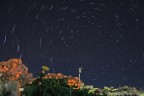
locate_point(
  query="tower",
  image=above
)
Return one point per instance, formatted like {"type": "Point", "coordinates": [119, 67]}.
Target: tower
{"type": "Point", "coordinates": [80, 71]}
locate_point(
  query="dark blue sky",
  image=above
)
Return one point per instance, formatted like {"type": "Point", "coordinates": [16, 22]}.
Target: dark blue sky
{"type": "Point", "coordinates": [106, 37]}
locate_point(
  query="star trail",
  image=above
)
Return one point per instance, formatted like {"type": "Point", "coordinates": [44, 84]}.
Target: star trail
{"type": "Point", "coordinates": [105, 37]}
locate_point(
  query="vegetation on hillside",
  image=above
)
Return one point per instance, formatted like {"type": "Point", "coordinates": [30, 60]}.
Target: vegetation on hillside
{"type": "Point", "coordinates": [54, 85]}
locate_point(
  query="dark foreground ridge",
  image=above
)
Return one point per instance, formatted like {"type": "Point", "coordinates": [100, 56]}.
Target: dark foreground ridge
{"type": "Point", "coordinates": [16, 80]}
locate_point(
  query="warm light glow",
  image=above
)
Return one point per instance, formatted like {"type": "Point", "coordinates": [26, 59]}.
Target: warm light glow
{"type": "Point", "coordinates": [13, 69]}
{"type": "Point", "coordinates": [74, 82]}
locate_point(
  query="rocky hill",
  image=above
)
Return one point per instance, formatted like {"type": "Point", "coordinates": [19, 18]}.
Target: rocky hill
{"type": "Point", "coordinates": [15, 70]}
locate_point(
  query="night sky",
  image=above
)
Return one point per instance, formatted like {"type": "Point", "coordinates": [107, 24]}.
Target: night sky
{"type": "Point", "coordinates": [105, 37]}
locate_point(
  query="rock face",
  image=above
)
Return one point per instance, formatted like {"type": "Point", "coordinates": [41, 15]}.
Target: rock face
{"type": "Point", "coordinates": [14, 70]}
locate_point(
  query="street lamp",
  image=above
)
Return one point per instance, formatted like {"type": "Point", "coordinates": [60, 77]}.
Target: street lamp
{"type": "Point", "coordinates": [80, 71]}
